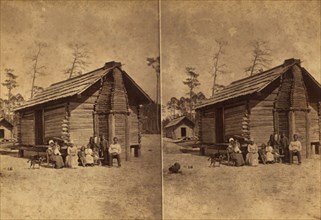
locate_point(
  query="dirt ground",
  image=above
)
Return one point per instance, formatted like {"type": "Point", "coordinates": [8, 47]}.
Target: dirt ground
{"type": "Point", "coordinates": [276, 191]}
{"type": "Point", "coordinates": [130, 192]}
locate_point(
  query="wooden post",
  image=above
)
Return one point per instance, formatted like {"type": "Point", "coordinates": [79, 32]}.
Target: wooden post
{"type": "Point", "coordinates": [308, 143]}
{"type": "Point", "coordinates": [111, 127]}
{"type": "Point", "coordinates": [291, 124]}
{"type": "Point", "coordinates": [127, 134]}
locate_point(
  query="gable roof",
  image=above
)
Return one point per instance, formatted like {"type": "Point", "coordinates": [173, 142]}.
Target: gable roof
{"type": "Point", "coordinates": [177, 121]}
{"type": "Point", "coordinates": [251, 84]}
{"type": "Point", "coordinates": [7, 121]}
{"type": "Point", "coordinates": [76, 86]}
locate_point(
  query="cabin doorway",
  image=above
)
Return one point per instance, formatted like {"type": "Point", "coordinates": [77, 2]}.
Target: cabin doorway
{"type": "Point", "coordinates": [219, 125]}
{"type": "Point", "coordinates": [183, 132]}
{"type": "Point", "coordinates": [39, 127]}
{"type": "Point", "coordinates": [283, 123]}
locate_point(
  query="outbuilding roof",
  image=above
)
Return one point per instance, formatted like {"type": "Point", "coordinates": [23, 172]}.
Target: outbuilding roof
{"type": "Point", "coordinates": [177, 121]}
{"type": "Point", "coordinates": [76, 86]}
{"type": "Point", "coordinates": [252, 84]}
{"type": "Point", "coordinates": [8, 121]}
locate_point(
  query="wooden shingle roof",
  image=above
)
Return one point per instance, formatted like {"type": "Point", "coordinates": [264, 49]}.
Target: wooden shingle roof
{"type": "Point", "coordinates": [177, 121]}
{"type": "Point", "coordinates": [75, 86]}
{"type": "Point", "coordinates": [249, 85]}
{"type": "Point", "coordinates": [8, 121]}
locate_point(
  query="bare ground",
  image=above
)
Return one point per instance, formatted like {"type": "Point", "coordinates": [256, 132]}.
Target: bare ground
{"type": "Point", "coordinates": [277, 191]}
{"type": "Point", "coordinates": [130, 192]}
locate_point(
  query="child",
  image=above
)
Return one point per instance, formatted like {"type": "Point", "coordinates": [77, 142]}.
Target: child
{"type": "Point", "coordinates": [269, 154]}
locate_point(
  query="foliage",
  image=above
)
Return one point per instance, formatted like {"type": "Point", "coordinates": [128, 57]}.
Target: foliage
{"type": "Point", "coordinates": [192, 83]}
{"type": "Point", "coordinates": [181, 106]}
{"type": "Point", "coordinates": [12, 101]}
{"type": "Point", "coordinates": [36, 68]}
{"type": "Point", "coordinates": [218, 68]}
{"type": "Point", "coordinates": [10, 83]}
{"type": "Point", "coordinates": [261, 57]}
{"type": "Point", "coordinates": [80, 56]}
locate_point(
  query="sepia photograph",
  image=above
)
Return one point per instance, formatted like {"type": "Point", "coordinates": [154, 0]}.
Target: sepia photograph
{"type": "Point", "coordinates": [241, 109]}
{"type": "Point", "coordinates": [79, 128]}
{"type": "Point", "coordinates": [160, 109]}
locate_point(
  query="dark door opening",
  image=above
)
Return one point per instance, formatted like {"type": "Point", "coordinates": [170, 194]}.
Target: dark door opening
{"type": "Point", "coordinates": [1, 133]}
{"type": "Point", "coordinates": [39, 129]}
{"type": "Point", "coordinates": [183, 132]}
{"type": "Point", "coordinates": [219, 125]}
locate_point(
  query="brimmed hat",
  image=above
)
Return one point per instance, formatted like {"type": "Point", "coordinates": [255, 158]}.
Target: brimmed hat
{"type": "Point", "coordinates": [51, 142]}
{"type": "Point", "coordinates": [231, 139]}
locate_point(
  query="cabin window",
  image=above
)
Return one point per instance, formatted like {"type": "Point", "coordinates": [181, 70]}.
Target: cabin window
{"type": "Point", "coordinates": [1, 133]}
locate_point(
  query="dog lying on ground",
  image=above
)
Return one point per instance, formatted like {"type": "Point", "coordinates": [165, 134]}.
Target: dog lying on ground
{"type": "Point", "coordinates": [36, 159]}
{"type": "Point", "coordinates": [175, 168]}
{"type": "Point", "coordinates": [215, 159]}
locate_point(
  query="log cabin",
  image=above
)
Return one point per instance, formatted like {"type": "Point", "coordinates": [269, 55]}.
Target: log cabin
{"type": "Point", "coordinates": [6, 127]}
{"type": "Point", "coordinates": [285, 99]}
{"type": "Point", "coordinates": [179, 128]}
{"type": "Point", "coordinates": [105, 101]}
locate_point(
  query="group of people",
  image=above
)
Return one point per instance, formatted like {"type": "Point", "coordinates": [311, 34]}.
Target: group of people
{"type": "Point", "coordinates": [277, 146]}
{"type": "Point", "coordinates": [93, 154]}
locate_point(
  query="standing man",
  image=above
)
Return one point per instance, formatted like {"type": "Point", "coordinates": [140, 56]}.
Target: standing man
{"type": "Point", "coordinates": [295, 148]}
{"type": "Point", "coordinates": [114, 152]}
{"type": "Point", "coordinates": [104, 145]}
{"type": "Point", "coordinates": [284, 147]}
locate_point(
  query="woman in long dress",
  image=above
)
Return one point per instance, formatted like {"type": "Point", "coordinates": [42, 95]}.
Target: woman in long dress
{"type": "Point", "coordinates": [89, 159]}
{"type": "Point", "coordinates": [235, 152]}
{"type": "Point", "coordinates": [72, 156]}
{"type": "Point", "coordinates": [252, 155]}
{"type": "Point", "coordinates": [56, 155]}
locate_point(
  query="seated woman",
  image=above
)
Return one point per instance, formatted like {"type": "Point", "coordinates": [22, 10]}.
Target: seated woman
{"type": "Point", "coordinates": [89, 160]}
{"type": "Point", "coordinates": [96, 156]}
{"type": "Point", "coordinates": [252, 156]}
{"type": "Point", "coordinates": [269, 153]}
{"type": "Point", "coordinates": [72, 156]}
{"type": "Point", "coordinates": [55, 154]}
{"type": "Point", "coordinates": [235, 152]}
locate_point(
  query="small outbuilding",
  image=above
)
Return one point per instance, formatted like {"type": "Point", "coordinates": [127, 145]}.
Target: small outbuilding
{"type": "Point", "coordinates": [285, 99]}
{"type": "Point", "coordinates": [6, 128]}
{"type": "Point", "coordinates": [104, 102]}
{"type": "Point", "coordinates": [179, 128]}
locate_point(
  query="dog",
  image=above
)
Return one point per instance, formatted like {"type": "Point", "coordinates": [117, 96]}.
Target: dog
{"type": "Point", "coordinates": [175, 168]}
{"type": "Point", "coordinates": [36, 159]}
{"type": "Point", "coordinates": [215, 159]}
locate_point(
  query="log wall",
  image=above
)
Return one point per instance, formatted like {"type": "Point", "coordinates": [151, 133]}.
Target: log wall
{"type": "Point", "coordinates": [134, 125]}
{"type": "Point", "coordinates": [299, 102]}
{"type": "Point", "coordinates": [207, 127]}
{"type": "Point", "coordinates": [28, 128]}
{"type": "Point", "coordinates": [233, 117]}
{"type": "Point", "coordinates": [103, 106]}
{"type": "Point", "coordinates": [314, 122]}
{"type": "Point", "coordinates": [81, 126]}
{"type": "Point", "coordinates": [261, 117]}
{"type": "Point", "coordinates": [53, 120]}
{"type": "Point", "coordinates": [300, 129]}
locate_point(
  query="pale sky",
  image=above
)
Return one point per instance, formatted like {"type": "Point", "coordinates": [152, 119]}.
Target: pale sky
{"type": "Point", "coordinates": [124, 31]}
{"type": "Point", "coordinates": [128, 32]}
{"type": "Point", "coordinates": [189, 30]}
